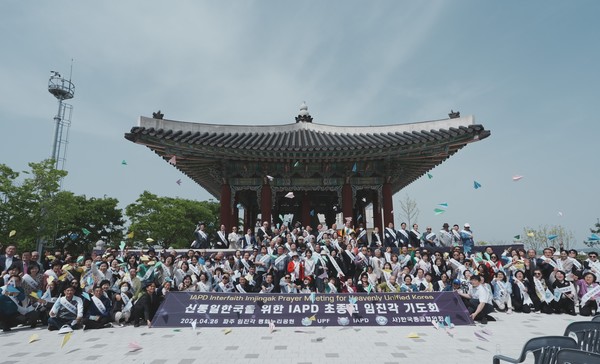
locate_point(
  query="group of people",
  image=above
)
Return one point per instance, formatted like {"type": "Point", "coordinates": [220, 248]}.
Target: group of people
{"type": "Point", "coordinates": [117, 287]}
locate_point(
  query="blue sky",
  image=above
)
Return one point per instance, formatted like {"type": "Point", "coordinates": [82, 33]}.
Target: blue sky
{"type": "Point", "coordinates": [528, 71]}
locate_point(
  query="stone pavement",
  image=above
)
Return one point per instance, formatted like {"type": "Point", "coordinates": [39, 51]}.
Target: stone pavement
{"type": "Point", "coordinates": [286, 345]}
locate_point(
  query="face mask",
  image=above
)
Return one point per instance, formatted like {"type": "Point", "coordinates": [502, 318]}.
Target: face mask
{"type": "Point", "coordinates": [124, 289]}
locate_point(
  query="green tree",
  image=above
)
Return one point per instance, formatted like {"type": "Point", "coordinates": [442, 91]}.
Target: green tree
{"type": "Point", "coordinates": [170, 222]}
{"type": "Point", "coordinates": [81, 222]}
{"type": "Point", "coordinates": [538, 239]}
{"type": "Point", "coordinates": [27, 206]}
{"type": "Point", "coordinates": [36, 209]}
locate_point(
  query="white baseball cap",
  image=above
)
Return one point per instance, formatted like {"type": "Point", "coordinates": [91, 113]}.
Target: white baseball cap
{"type": "Point", "coordinates": [467, 225]}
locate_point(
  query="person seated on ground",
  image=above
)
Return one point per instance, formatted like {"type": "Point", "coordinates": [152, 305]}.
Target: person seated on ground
{"type": "Point", "coordinates": [98, 313]}
{"type": "Point", "coordinates": [267, 285]}
{"type": "Point", "coordinates": [186, 285]}
{"type": "Point", "coordinates": [589, 293]}
{"type": "Point", "coordinates": [502, 292]}
{"type": "Point", "coordinates": [541, 296]}
{"type": "Point", "coordinates": [389, 286]}
{"type": "Point", "coordinates": [122, 304]}
{"type": "Point", "coordinates": [15, 307]}
{"type": "Point", "coordinates": [564, 294]}
{"type": "Point", "coordinates": [204, 283]}
{"type": "Point", "coordinates": [348, 286]}
{"type": "Point", "coordinates": [478, 300]}
{"type": "Point", "coordinates": [363, 284]}
{"type": "Point", "coordinates": [225, 285]}
{"type": "Point", "coordinates": [286, 285]}
{"type": "Point", "coordinates": [67, 310]}
{"type": "Point", "coordinates": [306, 286]}
{"type": "Point", "coordinates": [145, 308]}
{"type": "Point", "coordinates": [408, 286]}
{"type": "Point", "coordinates": [520, 293]}
{"type": "Point", "coordinates": [242, 285]}
{"type": "Point", "coordinates": [443, 285]}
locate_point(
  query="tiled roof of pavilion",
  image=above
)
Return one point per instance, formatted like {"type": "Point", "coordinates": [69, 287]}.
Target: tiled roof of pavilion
{"type": "Point", "coordinates": [422, 144]}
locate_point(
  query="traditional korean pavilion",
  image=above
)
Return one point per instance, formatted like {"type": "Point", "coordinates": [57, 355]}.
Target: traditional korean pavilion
{"type": "Point", "coordinates": [329, 169]}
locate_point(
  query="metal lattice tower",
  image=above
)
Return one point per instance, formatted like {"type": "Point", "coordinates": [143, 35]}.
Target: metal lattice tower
{"type": "Point", "coordinates": [62, 89]}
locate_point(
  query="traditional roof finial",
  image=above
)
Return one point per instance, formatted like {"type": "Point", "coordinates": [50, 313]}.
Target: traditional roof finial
{"type": "Point", "coordinates": [304, 116]}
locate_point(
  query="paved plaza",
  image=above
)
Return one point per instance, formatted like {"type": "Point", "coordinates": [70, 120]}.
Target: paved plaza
{"type": "Point", "coordinates": [472, 344]}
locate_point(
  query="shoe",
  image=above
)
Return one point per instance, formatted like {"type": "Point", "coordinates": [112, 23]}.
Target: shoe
{"type": "Point", "coordinates": [136, 324]}
{"type": "Point", "coordinates": [108, 325]}
{"type": "Point", "coordinates": [484, 320]}
{"type": "Point", "coordinates": [490, 318]}
{"type": "Point", "coordinates": [509, 311]}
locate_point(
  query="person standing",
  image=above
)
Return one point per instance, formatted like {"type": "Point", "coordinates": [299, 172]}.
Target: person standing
{"type": "Point", "coordinates": [445, 237]}
{"type": "Point", "coordinates": [466, 236]}
{"type": "Point", "coordinates": [201, 236]}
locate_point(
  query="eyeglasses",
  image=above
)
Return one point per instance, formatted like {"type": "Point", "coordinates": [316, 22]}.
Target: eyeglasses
{"type": "Point", "coordinates": [538, 274]}
{"type": "Point", "coordinates": [288, 277]}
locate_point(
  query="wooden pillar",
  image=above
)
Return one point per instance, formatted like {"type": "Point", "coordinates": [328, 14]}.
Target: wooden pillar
{"type": "Point", "coordinates": [347, 208]}
{"type": "Point", "coordinates": [388, 204]}
{"type": "Point", "coordinates": [305, 209]}
{"type": "Point", "coordinates": [377, 213]}
{"type": "Point", "coordinates": [225, 212]}
{"type": "Point", "coordinates": [266, 203]}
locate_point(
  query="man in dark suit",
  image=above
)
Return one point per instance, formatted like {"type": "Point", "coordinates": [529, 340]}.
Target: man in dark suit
{"type": "Point", "coordinates": [201, 241]}
{"type": "Point", "coordinates": [264, 232]}
{"type": "Point", "coordinates": [145, 308]}
{"type": "Point", "coordinates": [8, 259]}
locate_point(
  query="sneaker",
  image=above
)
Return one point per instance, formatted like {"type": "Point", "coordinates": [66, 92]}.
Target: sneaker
{"type": "Point", "coordinates": [108, 325]}
{"type": "Point", "coordinates": [484, 320]}
{"type": "Point", "coordinates": [509, 311]}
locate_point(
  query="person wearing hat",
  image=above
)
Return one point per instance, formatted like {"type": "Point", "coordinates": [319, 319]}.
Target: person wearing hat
{"type": "Point", "coordinates": [466, 236]}
{"type": "Point", "coordinates": [478, 300]}
{"type": "Point", "coordinates": [444, 238]}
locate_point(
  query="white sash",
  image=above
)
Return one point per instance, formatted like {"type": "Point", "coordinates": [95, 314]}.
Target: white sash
{"type": "Point", "coordinates": [362, 233]}
{"type": "Point", "coordinates": [430, 236]}
{"type": "Point", "coordinates": [245, 264]}
{"type": "Point", "coordinates": [68, 305]}
{"type": "Point", "coordinates": [392, 233]}
{"type": "Point", "coordinates": [524, 294]}
{"type": "Point", "coordinates": [127, 301]}
{"type": "Point", "coordinates": [500, 286]}
{"type": "Point", "coordinates": [350, 289]}
{"type": "Point", "coordinates": [550, 261]}
{"type": "Point", "coordinates": [590, 293]}
{"type": "Point", "coordinates": [559, 265]}
{"type": "Point", "coordinates": [390, 286]}
{"type": "Point", "coordinates": [309, 267]}
{"type": "Point", "coordinates": [99, 305]}
{"type": "Point", "coordinates": [575, 262]}
{"type": "Point", "coordinates": [148, 273]}
{"type": "Point", "coordinates": [378, 239]}
{"type": "Point", "coordinates": [436, 269]}
{"type": "Point", "coordinates": [403, 232]}
{"type": "Point", "coordinates": [279, 259]}
{"type": "Point", "coordinates": [350, 254]}
{"type": "Point", "coordinates": [222, 237]}
{"type": "Point", "coordinates": [595, 265]}
{"type": "Point", "coordinates": [539, 288]}
{"type": "Point", "coordinates": [240, 288]}
{"type": "Point", "coordinates": [30, 281]}
{"type": "Point", "coordinates": [388, 256]}
{"type": "Point", "coordinates": [336, 266]}
{"type": "Point", "coordinates": [332, 288]}
{"type": "Point", "coordinates": [203, 287]}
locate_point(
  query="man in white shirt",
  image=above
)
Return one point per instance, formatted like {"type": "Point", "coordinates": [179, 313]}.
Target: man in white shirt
{"type": "Point", "coordinates": [478, 300]}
